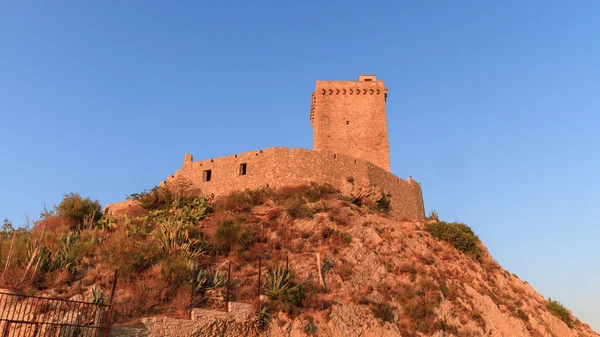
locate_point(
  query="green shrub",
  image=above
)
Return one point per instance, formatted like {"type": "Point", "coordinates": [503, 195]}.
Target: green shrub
{"type": "Point", "coordinates": [310, 328]}
{"type": "Point", "coordinates": [296, 208]}
{"type": "Point", "coordinates": [383, 203]}
{"type": "Point", "coordinates": [384, 311]}
{"type": "Point", "coordinates": [457, 234]}
{"type": "Point", "coordinates": [375, 201]}
{"type": "Point", "coordinates": [433, 215]}
{"type": "Point", "coordinates": [81, 210]}
{"type": "Point", "coordinates": [232, 233]}
{"type": "Point", "coordinates": [347, 237]}
{"type": "Point", "coordinates": [160, 197]}
{"type": "Point", "coordinates": [558, 310]}
{"type": "Point", "coordinates": [243, 201]}
{"type": "Point", "coordinates": [522, 315]}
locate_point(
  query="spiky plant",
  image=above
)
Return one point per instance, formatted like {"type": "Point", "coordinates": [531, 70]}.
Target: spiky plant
{"type": "Point", "coordinates": [209, 279]}
{"type": "Point", "coordinates": [279, 288]}
{"type": "Point", "coordinates": [66, 256]}
{"type": "Point", "coordinates": [173, 238]}
{"type": "Point", "coordinates": [98, 296]}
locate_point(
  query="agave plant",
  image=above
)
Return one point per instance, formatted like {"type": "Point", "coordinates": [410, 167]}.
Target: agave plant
{"type": "Point", "coordinates": [209, 279]}
{"type": "Point", "coordinates": [98, 296]}
{"type": "Point", "coordinates": [279, 287]}
{"type": "Point", "coordinates": [66, 257]}
{"type": "Point", "coordinates": [174, 238]}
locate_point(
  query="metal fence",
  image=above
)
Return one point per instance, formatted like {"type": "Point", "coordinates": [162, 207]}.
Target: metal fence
{"type": "Point", "coordinates": [33, 316]}
{"type": "Point", "coordinates": [194, 300]}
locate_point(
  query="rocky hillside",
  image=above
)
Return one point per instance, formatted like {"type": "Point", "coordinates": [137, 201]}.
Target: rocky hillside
{"type": "Point", "coordinates": [352, 269]}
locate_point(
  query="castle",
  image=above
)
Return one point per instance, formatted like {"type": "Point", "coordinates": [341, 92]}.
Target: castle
{"type": "Point", "coordinates": [350, 142]}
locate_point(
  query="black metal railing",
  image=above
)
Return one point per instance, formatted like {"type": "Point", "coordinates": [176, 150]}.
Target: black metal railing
{"type": "Point", "coordinates": [33, 316]}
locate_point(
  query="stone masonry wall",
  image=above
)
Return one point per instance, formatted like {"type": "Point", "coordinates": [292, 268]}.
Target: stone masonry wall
{"type": "Point", "coordinates": [279, 166]}
{"type": "Point", "coordinates": [350, 117]}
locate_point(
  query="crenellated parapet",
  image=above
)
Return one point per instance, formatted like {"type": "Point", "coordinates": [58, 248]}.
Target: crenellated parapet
{"type": "Point", "coordinates": [352, 91]}
{"type": "Point", "coordinates": [313, 108]}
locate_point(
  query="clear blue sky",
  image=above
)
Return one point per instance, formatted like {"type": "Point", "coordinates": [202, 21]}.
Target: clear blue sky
{"type": "Point", "coordinates": [493, 106]}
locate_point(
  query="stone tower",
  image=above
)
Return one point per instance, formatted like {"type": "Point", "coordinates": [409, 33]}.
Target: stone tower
{"type": "Point", "coordinates": [349, 117]}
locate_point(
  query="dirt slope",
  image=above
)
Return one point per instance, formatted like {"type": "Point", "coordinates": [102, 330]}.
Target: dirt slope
{"type": "Point", "coordinates": [393, 278]}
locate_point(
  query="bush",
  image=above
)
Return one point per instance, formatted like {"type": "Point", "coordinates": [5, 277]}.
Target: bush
{"type": "Point", "coordinates": [242, 201]}
{"type": "Point", "coordinates": [228, 233]}
{"type": "Point", "coordinates": [231, 233]}
{"type": "Point", "coordinates": [433, 215]}
{"type": "Point", "coordinates": [558, 310]}
{"type": "Point", "coordinates": [457, 234]}
{"type": "Point", "coordinates": [523, 315]}
{"type": "Point", "coordinates": [160, 197]}
{"type": "Point", "coordinates": [374, 200]}
{"type": "Point", "coordinates": [81, 210]}
{"type": "Point", "coordinates": [296, 208]}
{"type": "Point", "coordinates": [384, 311]}
{"type": "Point", "coordinates": [347, 237]}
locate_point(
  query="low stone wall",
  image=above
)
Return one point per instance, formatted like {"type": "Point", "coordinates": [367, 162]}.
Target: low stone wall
{"type": "Point", "coordinates": [120, 331]}
{"type": "Point", "coordinates": [203, 321]}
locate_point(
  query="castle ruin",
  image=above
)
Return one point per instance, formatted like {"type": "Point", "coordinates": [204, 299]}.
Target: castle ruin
{"type": "Point", "coordinates": [350, 147]}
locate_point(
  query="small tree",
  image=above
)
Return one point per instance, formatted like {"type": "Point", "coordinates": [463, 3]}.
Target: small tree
{"type": "Point", "coordinates": [7, 226]}
{"type": "Point", "coordinates": [83, 211]}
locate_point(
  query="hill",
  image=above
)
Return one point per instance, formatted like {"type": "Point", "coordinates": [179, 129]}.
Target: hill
{"type": "Point", "coordinates": [352, 269]}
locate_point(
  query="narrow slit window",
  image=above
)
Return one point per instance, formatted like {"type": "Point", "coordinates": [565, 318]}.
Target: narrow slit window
{"type": "Point", "coordinates": [207, 175]}
{"type": "Point", "coordinates": [243, 169]}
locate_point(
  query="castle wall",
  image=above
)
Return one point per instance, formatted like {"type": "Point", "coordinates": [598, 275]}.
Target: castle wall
{"type": "Point", "coordinates": [279, 166]}
{"type": "Point", "coordinates": [349, 117]}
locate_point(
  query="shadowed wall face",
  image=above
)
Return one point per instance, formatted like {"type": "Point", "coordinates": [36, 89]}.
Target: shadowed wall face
{"type": "Point", "coordinates": [349, 117]}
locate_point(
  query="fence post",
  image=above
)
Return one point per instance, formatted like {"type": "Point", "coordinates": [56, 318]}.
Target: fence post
{"type": "Point", "coordinates": [259, 272]}
{"type": "Point", "coordinates": [6, 329]}
{"type": "Point", "coordinates": [195, 273]}
{"type": "Point", "coordinates": [228, 282]}
{"type": "Point", "coordinates": [112, 294]}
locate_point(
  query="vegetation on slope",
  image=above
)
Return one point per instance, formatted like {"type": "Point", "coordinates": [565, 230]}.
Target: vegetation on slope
{"type": "Point", "coordinates": [169, 243]}
{"type": "Point", "coordinates": [457, 234]}
{"type": "Point", "coordinates": [160, 246]}
{"type": "Point", "coordinates": [560, 311]}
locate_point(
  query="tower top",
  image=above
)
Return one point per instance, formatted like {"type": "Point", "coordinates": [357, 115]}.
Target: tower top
{"type": "Point", "coordinates": [367, 78]}
{"type": "Point", "coordinates": [349, 117]}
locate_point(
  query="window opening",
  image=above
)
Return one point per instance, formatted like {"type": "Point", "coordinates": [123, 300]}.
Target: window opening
{"type": "Point", "coordinates": [243, 169]}
{"type": "Point", "coordinates": [207, 175]}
